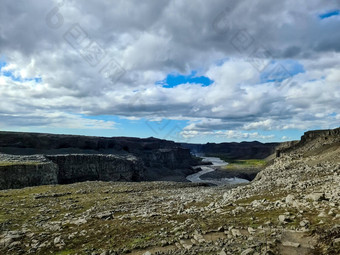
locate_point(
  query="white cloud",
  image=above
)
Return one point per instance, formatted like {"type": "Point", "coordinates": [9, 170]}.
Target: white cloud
{"type": "Point", "coordinates": [53, 120]}
{"type": "Point", "coordinates": [263, 124]}
{"type": "Point", "coordinates": [152, 39]}
{"type": "Point", "coordinates": [226, 135]}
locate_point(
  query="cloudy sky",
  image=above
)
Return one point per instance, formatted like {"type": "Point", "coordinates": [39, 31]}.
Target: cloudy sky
{"type": "Point", "coordinates": [194, 71]}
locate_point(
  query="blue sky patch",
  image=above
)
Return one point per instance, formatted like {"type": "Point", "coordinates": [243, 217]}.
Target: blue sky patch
{"type": "Point", "coordinates": [173, 80]}
{"type": "Point", "coordinates": [11, 75]}
{"type": "Point", "coordinates": [170, 129]}
{"type": "Point", "coordinates": [163, 129]}
{"type": "Point", "coordinates": [2, 64]}
{"type": "Point", "coordinates": [279, 70]}
{"type": "Point", "coordinates": [329, 14]}
{"type": "Point", "coordinates": [220, 62]}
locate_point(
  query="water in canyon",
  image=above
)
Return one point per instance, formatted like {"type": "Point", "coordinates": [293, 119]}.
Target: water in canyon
{"type": "Point", "coordinates": [216, 162]}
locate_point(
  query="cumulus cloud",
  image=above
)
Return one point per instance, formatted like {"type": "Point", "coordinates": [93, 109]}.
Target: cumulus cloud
{"type": "Point", "coordinates": [227, 134]}
{"type": "Point", "coordinates": [233, 43]}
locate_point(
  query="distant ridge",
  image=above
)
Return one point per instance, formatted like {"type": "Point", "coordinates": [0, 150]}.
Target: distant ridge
{"type": "Point", "coordinates": [233, 150]}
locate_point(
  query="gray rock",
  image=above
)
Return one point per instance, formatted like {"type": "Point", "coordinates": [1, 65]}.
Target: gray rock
{"type": "Point", "coordinates": [14, 244]}
{"type": "Point", "coordinates": [57, 240]}
{"type": "Point", "coordinates": [248, 251]}
{"type": "Point", "coordinates": [304, 223]}
{"type": "Point", "coordinates": [222, 252]}
{"type": "Point", "coordinates": [187, 246]}
{"type": "Point", "coordinates": [322, 214]}
{"type": "Point", "coordinates": [79, 222]}
{"type": "Point", "coordinates": [290, 199]}
{"type": "Point", "coordinates": [236, 232]}
{"type": "Point", "coordinates": [332, 212]}
{"type": "Point", "coordinates": [317, 196]}
{"type": "Point", "coordinates": [251, 230]}
{"type": "Point", "coordinates": [199, 238]}
{"type": "Point", "coordinates": [10, 237]}
{"type": "Point", "coordinates": [105, 215]}
{"type": "Point", "coordinates": [284, 218]}
{"type": "Point", "coordinates": [290, 244]}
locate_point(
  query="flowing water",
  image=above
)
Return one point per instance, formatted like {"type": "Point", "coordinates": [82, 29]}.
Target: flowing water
{"type": "Point", "coordinates": [216, 162]}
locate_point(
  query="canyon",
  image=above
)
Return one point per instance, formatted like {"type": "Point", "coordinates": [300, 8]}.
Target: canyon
{"type": "Point", "coordinates": [32, 159]}
{"type": "Point", "coordinates": [242, 150]}
{"type": "Point", "coordinates": [291, 207]}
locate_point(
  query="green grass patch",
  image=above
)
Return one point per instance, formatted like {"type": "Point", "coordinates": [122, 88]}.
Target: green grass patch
{"type": "Point", "coordinates": [16, 163]}
{"type": "Point", "coordinates": [241, 163]}
{"type": "Point", "coordinates": [65, 252]}
{"type": "Point", "coordinates": [245, 163]}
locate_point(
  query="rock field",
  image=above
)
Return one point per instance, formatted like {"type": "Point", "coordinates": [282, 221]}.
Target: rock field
{"type": "Point", "coordinates": [292, 207]}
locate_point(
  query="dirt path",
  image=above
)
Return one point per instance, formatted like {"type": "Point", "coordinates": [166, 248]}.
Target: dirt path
{"type": "Point", "coordinates": [296, 243]}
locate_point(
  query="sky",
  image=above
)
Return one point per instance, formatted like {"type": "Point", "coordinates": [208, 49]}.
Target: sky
{"type": "Point", "coordinates": [189, 71]}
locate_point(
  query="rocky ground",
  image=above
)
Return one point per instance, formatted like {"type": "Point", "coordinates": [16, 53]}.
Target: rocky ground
{"type": "Point", "coordinates": [292, 207]}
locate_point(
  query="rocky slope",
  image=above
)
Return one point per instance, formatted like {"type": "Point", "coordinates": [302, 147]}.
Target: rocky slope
{"type": "Point", "coordinates": [312, 142]}
{"type": "Point", "coordinates": [292, 207]}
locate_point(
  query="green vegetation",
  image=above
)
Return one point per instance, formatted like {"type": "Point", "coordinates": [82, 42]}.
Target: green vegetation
{"type": "Point", "coordinates": [246, 163]}
{"type": "Point", "coordinates": [16, 163]}
{"type": "Point", "coordinates": [66, 252]}
{"type": "Point", "coordinates": [129, 229]}
{"type": "Point", "coordinates": [237, 164]}
{"type": "Point", "coordinates": [70, 202]}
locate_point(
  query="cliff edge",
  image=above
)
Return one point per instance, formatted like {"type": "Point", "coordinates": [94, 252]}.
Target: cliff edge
{"type": "Point", "coordinates": [30, 159]}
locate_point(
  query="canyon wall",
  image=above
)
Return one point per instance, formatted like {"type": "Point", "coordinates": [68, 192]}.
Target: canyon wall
{"type": "Point", "coordinates": [19, 172]}
{"type": "Point", "coordinates": [170, 158]}
{"type": "Point", "coordinates": [82, 167]}
{"type": "Point", "coordinates": [243, 150]}
{"type": "Point", "coordinates": [30, 159]}
{"type": "Point", "coordinates": [311, 141]}
{"type": "Point", "coordinates": [39, 143]}
{"type": "Point", "coordinates": [20, 175]}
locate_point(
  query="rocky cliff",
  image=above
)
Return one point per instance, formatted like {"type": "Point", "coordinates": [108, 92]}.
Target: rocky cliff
{"type": "Point", "coordinates": [21, 175]}
{"type": "Point", "coordinates": [83, 167]}
{"type": "Point", "coordinates": [243, 150]}
{"type": "Point", "coordinates": [39, 143]}
{"type": "Point", "coordinates": [170, 158]}
{"type": "Point", "coordinates": [312, 142]}
{"type": "Point", "coordinates": [22, 171]}
{"type": "Point", "coordinates": [68, 158]}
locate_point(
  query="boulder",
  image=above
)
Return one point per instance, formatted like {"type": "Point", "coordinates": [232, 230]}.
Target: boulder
{"type": "Point", "coordinates": [316, 196]}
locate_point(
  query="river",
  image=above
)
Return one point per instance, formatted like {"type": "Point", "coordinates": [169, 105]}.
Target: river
{"type": "Point", "coordinates": [216, 162]}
